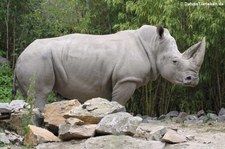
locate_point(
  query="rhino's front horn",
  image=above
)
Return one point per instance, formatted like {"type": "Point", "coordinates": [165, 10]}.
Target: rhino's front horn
{"type": "Point", "coordinates": [196, 53]}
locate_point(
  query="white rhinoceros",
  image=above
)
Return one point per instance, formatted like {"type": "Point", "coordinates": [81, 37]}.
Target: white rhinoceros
{"type": "Point", "coordinates": [110, 66]}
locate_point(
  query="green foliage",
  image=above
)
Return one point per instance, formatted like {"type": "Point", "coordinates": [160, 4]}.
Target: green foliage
{"type": "Point", "coordinates": [5, 83]}
{"type": "Point", "coordinates": [34, 19]}
{"type": "Point", "coordinates": [188, 24]}
{"type": "Point", "coordinates": [52, 97]}
{"type": "Point", "coordinates": [2, 53]}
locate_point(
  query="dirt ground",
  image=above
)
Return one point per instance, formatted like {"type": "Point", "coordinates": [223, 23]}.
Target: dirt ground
{"type": "Point", "coordinates": [209, 135]}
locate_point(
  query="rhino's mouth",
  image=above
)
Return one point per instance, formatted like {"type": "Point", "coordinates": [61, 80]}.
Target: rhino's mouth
{"type": "Point", "coordinates": [191, 83]}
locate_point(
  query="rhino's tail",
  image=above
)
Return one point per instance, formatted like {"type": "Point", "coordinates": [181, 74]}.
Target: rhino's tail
{"type": "Point", "coordinates": [14, 89]}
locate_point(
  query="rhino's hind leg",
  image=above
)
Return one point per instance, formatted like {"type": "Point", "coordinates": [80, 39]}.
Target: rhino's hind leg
{"type": "Point", "coordinates": [43, 89]}
{"type": "Point", "coordinates": [122, 92]}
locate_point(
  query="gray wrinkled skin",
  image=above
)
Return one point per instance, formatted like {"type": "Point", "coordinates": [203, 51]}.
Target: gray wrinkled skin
{"type": "Point", "coordinates": [110, 66]}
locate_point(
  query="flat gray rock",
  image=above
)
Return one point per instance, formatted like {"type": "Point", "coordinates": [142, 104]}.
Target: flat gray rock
{"type": "Point", "coordinates": [5, 108]}
{"type": "Point", "coordinates": [69, 132]}
{"type": "Point", "coordinates": [17, 105]}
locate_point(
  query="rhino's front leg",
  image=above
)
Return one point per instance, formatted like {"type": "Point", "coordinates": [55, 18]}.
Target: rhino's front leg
{"type": "Point", "coordinates": [122, 92]}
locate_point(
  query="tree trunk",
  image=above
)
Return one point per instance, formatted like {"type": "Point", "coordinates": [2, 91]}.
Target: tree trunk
{"type": "Point", "coordinates": [14, 42]}
{"type": "Point", "coordinates": [7, 28]}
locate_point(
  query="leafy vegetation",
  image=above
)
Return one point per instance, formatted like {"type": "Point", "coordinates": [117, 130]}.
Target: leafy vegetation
{"type": "Point", "coordinates": [6, 79]}
{"type": "Point", "coordinates": [27, 20]}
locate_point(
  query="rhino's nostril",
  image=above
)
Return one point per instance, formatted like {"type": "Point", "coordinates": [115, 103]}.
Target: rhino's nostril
{"type": "Point", "coordinates": [188, 78]}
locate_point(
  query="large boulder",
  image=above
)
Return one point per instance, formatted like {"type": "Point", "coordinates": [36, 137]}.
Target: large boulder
{"type": "Point", "coordinates": [118, 123]}
{"type": "Point", "coordinates": [37, 135]}
{"type": "Point", "coordinates": [54, 112]}
{"type": "Point", "coordinates": [92, 111]}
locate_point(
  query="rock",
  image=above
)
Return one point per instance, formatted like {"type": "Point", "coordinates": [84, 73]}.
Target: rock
{"type": "Point", "coordinates": [54, 112]}
{"type": "Point", "coordinates": [221, 112]}
{"type": "Point", "coordinates": [105, 142]}
{"type": "Point", "coordinates": [5, 108]}
{"type": "Point", "coordinates": [17, 122]}
{"type": "Point", "coordinates": [61, 145]}
{"type": "Point", "coordinates": [191, 118]}
{"type": "Point", "coordinates": [172, 114]}
{"type": "Point", "coordinates": [148, 119]}
{"type": "Point", "coordinates": [18, 105]}
{"type": "Point", "coordinates": [14, 138]}
{"type": "Point", "coordinates": [221, 118]}
{"type": "Point", "coordinates": [180, 118]}
{"type": "Point", "coordinates": [190, 137]}
{"type": "Point", "coordinates": [150, 132]}
{"type": "Point", "coordinates": [212, 116]}
{"type": "Point", "coordinates": [163, 116]}
{"type": "Point", "coordinates": [68, 132]}
{"type": "Point", "coordinates": [4, 139]}
{"type": "Point", "coordinates": [92, 111]}
{"type": "Point", "coordinates": [74, 121]}
{"type": "Point", "coordinates": [118, 123]}
{"type": "Point", "coordinates": [121, 142]}
{"type": "Point", "coordinates": [172, 136]}
{"type": "Point", "coordinates": [201, 113]}
{"type": "Point", "coordinates": [37, 135]}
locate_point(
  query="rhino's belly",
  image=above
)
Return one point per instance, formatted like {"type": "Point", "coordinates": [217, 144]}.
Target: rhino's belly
{"type": "Point", "coordinates": [83, 91]}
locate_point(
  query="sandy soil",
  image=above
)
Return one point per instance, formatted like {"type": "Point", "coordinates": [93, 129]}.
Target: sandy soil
{"type": "Point", "coordinates": [210, 135]}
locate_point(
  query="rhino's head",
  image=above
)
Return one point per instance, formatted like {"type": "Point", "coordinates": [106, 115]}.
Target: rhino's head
{"type": "Point", "coordinates": [176, 67]}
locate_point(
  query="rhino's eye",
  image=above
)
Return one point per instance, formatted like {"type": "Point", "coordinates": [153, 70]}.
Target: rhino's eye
{"type": "Point", "coordinates": [174, 61]}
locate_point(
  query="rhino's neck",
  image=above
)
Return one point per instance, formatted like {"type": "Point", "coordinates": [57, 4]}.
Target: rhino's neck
{"type": "Point", "coordinates": [148, 39]}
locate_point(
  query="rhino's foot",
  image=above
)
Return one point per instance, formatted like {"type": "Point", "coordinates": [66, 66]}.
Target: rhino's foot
{"type": "Point", "coordinates": [37, 118]}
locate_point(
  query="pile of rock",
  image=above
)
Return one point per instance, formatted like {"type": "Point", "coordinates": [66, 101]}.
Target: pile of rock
{"type": "Point", "coordinates": [98, 123]}
{"type": "Point", "coordinates": [200, 117]}
{"type": "Point", "coordinates": [8, 137]}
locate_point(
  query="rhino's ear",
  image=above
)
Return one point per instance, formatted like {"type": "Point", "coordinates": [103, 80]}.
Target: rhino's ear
{"type": "Point", "coordinates": [196, 53]}
{"type": "Point", "coordinates": [160, 31]}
